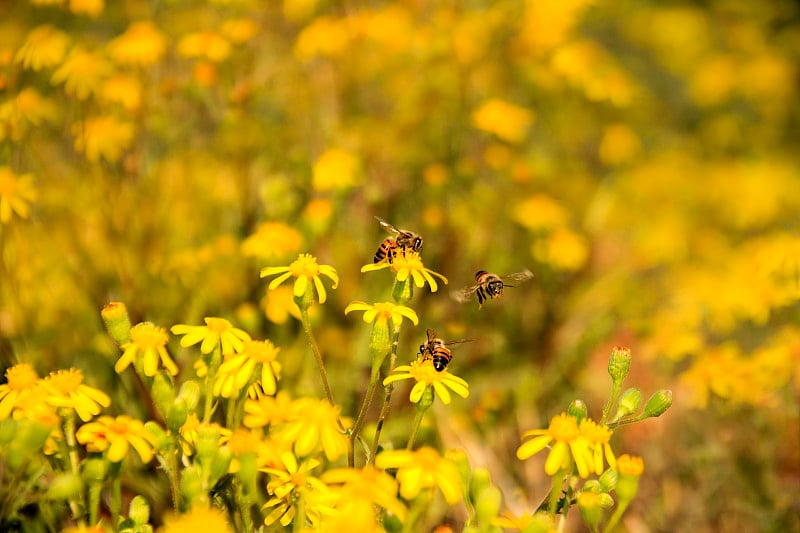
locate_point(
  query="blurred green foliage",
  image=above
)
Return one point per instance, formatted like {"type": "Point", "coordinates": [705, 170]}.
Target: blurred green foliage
{"type": "Point", "coordinates": [639, 157]}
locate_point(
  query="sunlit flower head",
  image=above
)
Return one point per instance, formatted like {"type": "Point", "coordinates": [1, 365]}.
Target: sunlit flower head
{"type": "Point", "coordinates": [305, 269]}
{"type": "Point", "coordinates": [630, 465]}
{"type": "Point", "coordinates": [44, 47]}
{"type": "Point", "coordinates": [104, 137]}
{"type": "Point", "coordinates": [90, 8]}
{"type": "Point", "coordinates": [426, 375]}
{"type": "Point", "coordinates": [335, 169]}
{"type": "Point", "coordinates": [81, 73]}
{"type": "Point", "coordinates": [116, 436]}
{"type": "Point", "coordinates": [567, 446]}
{"type": "Point", "coordinates": [272, 240]}
{"type": "Point", "coordinates": [598, 437]}
{"type": "Point", "coordinates": [198, 518]}
{"type": "Point", "coordinates": [508, 121]}
{"type": "Point", "coordinates": [368, 487]}
{"type": "Point", "coordinates": [123, 90]}
{"type": "Point", "coordinates": [421, 469]}
{"type": "Point", "coordinates": [315, 426]}
{"type": "Point", "coordinates": [237, 369]}
{"type": "Point", "coordinates": [21, 381]}
{"type": "Point", "coordinates": [207, 45]}
{"type": "Point", "coordinates": [17, 192]}
{"type": "Point", "coordinates": [148, 342]}
{"type": "Point", "coordinates": [290, 483]}
{"type": "Point", "coordinates": [141, 45]}
{"type": "Point", "coordinates": [279, 305]}
{"type": "Point", "coordinates": [216, 332]}
{"type": "Point", "coordinates": [268, 410]}
{"type": "Point", "coordinates": [539, 521]}
{"type": "Point", "coordinates": [27, 109]}
{"type": "Point", "coordinates": [65, 389]}
{"type": "Point", "coordinates": [407, 264]}
{"type": "Point", "coordinates": [382, 312]}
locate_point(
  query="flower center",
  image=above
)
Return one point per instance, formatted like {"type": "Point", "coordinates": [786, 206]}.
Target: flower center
{"type": "Point", "coordinates": [595, 432]}
{"type": "Point", "coordinates": [564, 428]}
{"type": "Point", "coordinates": [21, 377]}
{"type": "Point", "coordinates": [218, 325]}
{"type": "Point", "coordinates": [66, 381]}
{"type": "Point", "coordinates": [262, 351]}
{"type": "Point", "coordinates": [305, 265]}
{"type": "Point", "coordinates": [423, 370]}
{"type": "Point", "coordinates": [147, 335]}
{"type": "Point", "coordinates": [407, 260]}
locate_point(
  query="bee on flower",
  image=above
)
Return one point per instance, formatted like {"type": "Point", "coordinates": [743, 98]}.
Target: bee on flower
{"type": "Point", "coordinates": [426, 375]}
{"type": "Point", "coordinates": [409, 265]}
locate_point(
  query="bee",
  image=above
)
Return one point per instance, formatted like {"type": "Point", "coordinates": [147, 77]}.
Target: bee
{"type": "Point", "coordinates": [436, 350]}
{"type": "Point", "coordinates": [488, 285]}
{"type": "Point", "coordinates": [403, 240]}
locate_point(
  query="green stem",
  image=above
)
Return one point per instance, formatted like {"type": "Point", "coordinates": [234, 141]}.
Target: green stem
{"type": "Point", "coordinates": [74, 463]}
{"type": "Point", "coordinates": [362, 414]}
{"type": "Point", "coordinates": [387, 400]}
{"type": "Point", "coordinates": [615, 518]}
{"type": "Point", "coordinates": [173, 473]}
{"type": "Point", "coordinates": [611, 401]}
{"type": "Point", "coordinates": [213, 366]}
{"type": "Point", "coordinates": [116, 494]}
{"type": "Point", "coordinates": [95, 488]}
{"type": "Point", "coordinates": [415, 428]}
{"type": "Point", "coordinates": [317, 354]}
{"type": "Point", "coordinates": [559, 479]}
{"type": "Point", "coordinates": [299, 523]}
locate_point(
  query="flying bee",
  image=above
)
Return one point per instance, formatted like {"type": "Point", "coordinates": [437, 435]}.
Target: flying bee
{"type": "Point", "coordinates": [401, 241]}
{"type": "Point", "coordinates": [488, 285]}
{"type": "Point", "coordinates": [436, 350]}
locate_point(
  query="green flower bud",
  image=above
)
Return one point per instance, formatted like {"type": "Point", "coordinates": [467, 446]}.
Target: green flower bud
{"type": "Point", "coordinates": [630, 469]}
{"type": "Point", "coordinates": [606, 501]}
{"type": "Point", "coordinates": [64, 487]}
{"type": "Point", "coordinates": [139, 511]}
{"type": "Point", "coordinates": [658, 403]}
{"type": "Point", "coordinates": [380, 342]}
{"type": "Point", "coordinates": [577, 408]}
{"type": "Point", "coordinates": [478, 482]}
{"type": "Point", "coordinates": [163, 392]}
{"type": "Point", "coordinates": [207, 443]}
{"type": "Point", "coordinates": [591, 485]}
{"type": "Point", "coordinates": [403, 291]}
{"type": "Point", "coordinates": [161, 439]}
{"type": "Point", "coordinates": [487, 506]}
{"type": "Point", "coordinates": [176, 416]}
{"type": "Point", "coordinates": [426, 400]}
{"type": "Point", "coordinates": [191, 483]}
{"type": "Point", "coordinates": [95, 470]}
{"type": "Point", "coordinates": [619, 363]}
{"type": "Point", "coordinates": [118, 324]}
{"type": "Point", "coordinates": [629, 403]}
{"type": "Point", "coordinates": [220, 464]}
{"type": "Point", "coordinates": [590, 508]}
{"type": "Point", "coordinates": [190, 393]}
{"type": "Point", "coordinates": [608, 480]}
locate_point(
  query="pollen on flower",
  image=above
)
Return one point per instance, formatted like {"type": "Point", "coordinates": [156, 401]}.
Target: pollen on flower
{"type": "Point", "coordinates": [564, 428]}
{"type": "Point", "coordinates": [21, 376]}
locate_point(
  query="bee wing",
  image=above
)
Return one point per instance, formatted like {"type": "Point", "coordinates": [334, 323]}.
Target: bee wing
{"type": "Point", "coordinates": [519, 276]}
{"type": "Point", "coordinates": [462, 341]}
{"type": "Point", "coordinates": [431, 334]}
{"type": "Point", "coordinates": [388, 227]}
{"type": "Point", "coordinates": [464, 295]}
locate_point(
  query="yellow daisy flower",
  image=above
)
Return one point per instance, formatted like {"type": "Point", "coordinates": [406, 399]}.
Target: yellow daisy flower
{"type": "Point", "coordinates": [149, 342]}
{"type": "Point", "coordinates": [216, 332]}
{"type": "Point", "coordinates": [21, 381]}
{"type": "Point", "coordinates": [366, 486]}
{"type": "Point", "coordinates": [305, 269]}
{"type": "Point", "coordinates": [208, 45]}
{"type": "Point", "coordinates": [598, 437]}
{"type": "Point", "coordinates": [314, 425]}
{"type": "Point", "coordinates": [141, 45]}
{"type": "Point", "coordinates": [292, 483]}
{"type": "Point", "coordinates": [421, 469]}
{"type": "Point", "coordinates": [235, 372]}
{"type": "Point", "coordinates": [81, 73]}
{"type": "Point", "coordinates": [198, 518]}
{"type": "Point", "coordinates": [409, 264]}
{"type": "Point", "coordinates": [45, 47]}
{"type": "Point", "coordinates": [272, 240]}
{"type": "Point", "coordinates": [569, 447]}
{"type": "Point", "coordinates": [426, 375]}
{"type": "Point", "coordinates": [268, 410]}
{"type": "Point", "coordinates": [540, 521]}
{"type": "Point", "coordinates": [116, 436]}
{"type": "Point", "coordinates": [16, 193]}
{"type": "Point", "coordinates": [382, 312]}
{"type": "Point", "coordinates": [103, 137]}
{"type": "Point", "coordinates": [65, 388]}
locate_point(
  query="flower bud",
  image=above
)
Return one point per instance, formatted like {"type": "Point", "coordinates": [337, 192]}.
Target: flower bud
{"type": "Point", "coordinates": [95, 470]}
{"type": "Point", "coordinates": [380, 342]}
{"type": "Point", "coordinates": [163, 393]}
{"type": "Point", "coordinates": [207, 442]}
{"type": "Point", "coordinates": [608, 480]}
{"type": "Point", "coordinates": [658, 403]}
{"type": "Point", "coordinates": [606, 501]}
{"type": "Point", "coordinates": [619, 363]}
{"type": "Point", "coordinates": [629, 403]}
{"type": "Point", "coordinates": [220, 464]}
{"type": "Point", "coordinates": [577, 408]}
{"type": "Point", "coordinates": [64, 487]}
{"type": "Point", "coordinates": [478, 482]}
{"type": "Point", "coordinates": [248, 471]}
{"type": "Point", "coordinates": [161, 439]}
{"type": "Point", "coordinates": [403, 291]}
{"type": "Point", "coordinates": [118, 324]}
{"type": "Point", "coordinates": [426, 400]}
{"type": "Point", "coordinates": [629, 468]}
{"type": "Point", "coordinates": [487, 506]}
{"type": "Point", "coordinates": [191, 483]}
{"type": "Point", "coordinates": [190, 393]}
{"type": "Point", "coordinates": [139, 511]}
{"type": "Point", "coordinates": [590, 508]}
{"type": "Point", "coordinates": [176, 415]}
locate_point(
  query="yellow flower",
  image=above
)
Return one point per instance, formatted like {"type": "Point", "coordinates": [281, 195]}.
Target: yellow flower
{"type": "Point", "coordinates": [216, 332]}
{"type": "Point", "coordinates": [272, 240]}
{"type": "Point", "coordinates": [116, 436]}
{"type": "Point", "coordinates": [268, 410]}
{"type": "Point", "coordinates": [102, 137]}
{"type": "Point", "coordinates": [239, 30]}
{"type": "Point", "coordinates": [426, 375]}
{"type": "Point", "coordinates": [335, 169]}
{"type": "Point", "coordinates": [314, 426]}
{"type": "Point", "coordinates": [45, 47]}
{"type": "Point", "coordinates": [563, 248]}
{"type": "Point", "coordinates": [409, 264]}
{"type": "Point", "coordinates": [191, 433]}
{"type": "Point", "coordinates": [598, 437]}
{"type": "Point", "coordinates": [569, 448]}
{"type": "Point", "coordinates": [305, 269]}
{"type": "Point", "coordinates": [85, 529]}
{"type": "Point", "coordinates": [540, 212]}
{"type": "Point", "coordinates": [507, 121]}
{"type": "Point", "coordinates": [65, 388]}
{"type": "Point", "coordinates": [422, 469]}
{"type": "Point", "coordinates": [123, 90]}
{"type": "Point", "coordinates": [90, 8]}
{"type": "Point", "coordinates": [27, 108]}
{"type": "Point", "coordinates": [366, 486]}
{"type": "Point", "coordinates": [540, 521]}
{"type": "Point", "coordinates": [256, 357]}
{"type": "Point", "coordinates": [141, 45]}
{"type": "Point", "coordinates": [21, 381]}
{"type": "Point", "coordinates": [382, 312]}
{"type": "Point", "coordinates": [324, 36]}
{"type": "Point", "coordinates": [198, 518]}
{"type": "Point", "coordinates": [16, 193]}
{"type": "Point", "coordinates": [279, 304]}
{"type": "Point", "coordinates": [291, 484]}
{"type": "Point", "coordinates": [149, 341]}
{"type": "Point", "coordinates": [207, 45]}
{"type": "Point", "coordinates": [81, 73]}
{"type": "Point", "coordinates": [630, 465]}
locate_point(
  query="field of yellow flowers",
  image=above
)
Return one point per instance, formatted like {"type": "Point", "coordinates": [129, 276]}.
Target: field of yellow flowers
{"type": "Point", "coordinates": [238, 253]}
